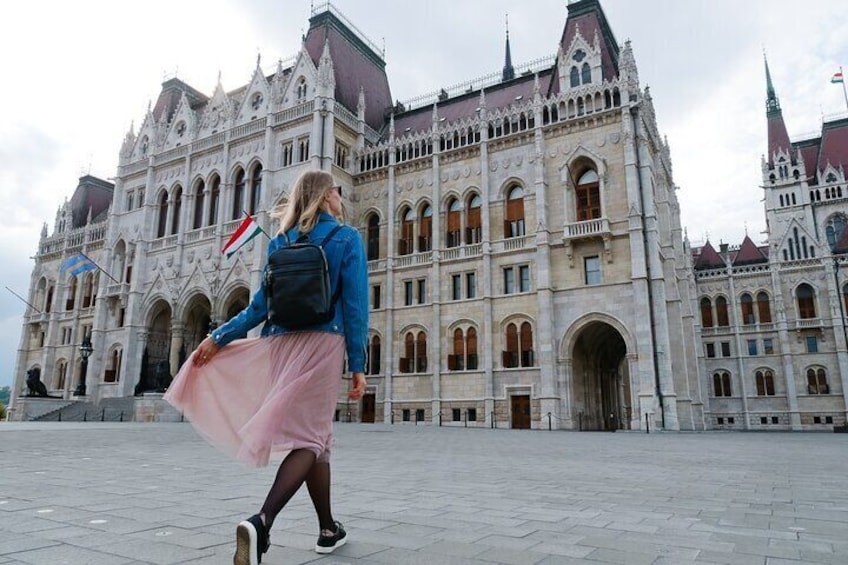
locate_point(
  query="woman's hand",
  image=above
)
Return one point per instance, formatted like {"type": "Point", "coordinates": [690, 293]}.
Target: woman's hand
{"type": "Point", "coordinates": [205, 351]}
{"type": "Point", "coordinates": [357, 386]}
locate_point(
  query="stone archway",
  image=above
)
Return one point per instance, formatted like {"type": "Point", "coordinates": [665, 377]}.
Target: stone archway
{"type": "Point", "coordinates": [601, 392]}
{"type": "Point", "coordinates": [236, 301]}
{"type": "Point", "coordinates": [155, 364]}
{"type": "Point", "coordinates": [197, 318]}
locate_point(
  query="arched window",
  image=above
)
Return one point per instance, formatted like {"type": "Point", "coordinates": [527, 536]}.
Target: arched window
{"type": "Point", "coordinates": [70, 298]}
{"type": "Point", "coordinates": [113, 370]}
{"type": "Point", "coordinates": [373, 237]}
{"type": "Point", "coordinates": [574, 77]}
{"type": "Point", "coordinates": [806, 301]}
{"type": "Point", "coordinates": [425, 231]}
{"type": "Point", "coordinates": [722, 319]}
{"type": "Point", "coordinates": [706, 312]}
{"type": "Point", "coordinates": [88, 291]}
{"type": "Point", "coordinates": [473, 221]}
{"type": "Point", "coordinates": [763, 307]}
{"type": "Point", "coordinates": [238, 194]}
{"type": "Point", "coordinates": [421, 353]}
{"type": "Point", "coordinates": [747, 309]}
{"type": "Point", "coordinates": [817, 381]}
{"type": "Point", "coordinates": [514, 221]}
{"type": "Point", "coordinates": [407, 229]}
{"type": "Point", "coordinates": [48, 301]}
{"type": "Point", "coordinates": [163, 215]}
{"type": "Point", "coordinates": [519, 346]}
{"type": "Point", "coordinates": [415, 353]}
{"type": "Point", "coordinates": [374, 355]}
{"type": "Point", "coordinates": [586, 74]}
{"type": "Point", "coordinates": [255, 189]}
{"type": "Point", "coordinates": [61, 375]}
{"type": "Point", "coordinates": [588, 195]}
{"type": "Point", "coordinates": [454, 228]}
{"type": "Point", "coordinates": [721, 384]}
{"type": "Point", "coordinates": [301, 89]}
{"type": "Point", "coordinates": [214, 197]}
{"type": "Point", "coordinates": [845, 298]}
{"type": "Point", "coordinates": [177, 201]}
{"type": "Point", "coordinates": [199, 195]}
{"type": "Point", "coordinates": [765, 382]}
{"type": "Point", "coordinates": [471, 349]}
{"type": "Point", "coordinates": [456, 361]}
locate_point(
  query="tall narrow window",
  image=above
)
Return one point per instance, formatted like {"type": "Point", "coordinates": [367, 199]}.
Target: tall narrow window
{"type": "Point", "coordinates": [162, 225]}
{"type": "Point", "coordinates": [806, 301]}
{"type": "Point", "coordinates": [765, 383]}
{"type": "Point", "coordinates": [456, 361]}
{"type": "Point", "coordinates": [588, 195]}
{"type": "Point", "coordinates": [470, 285]}
{"type": "Point", "coordinates": [574, 77]}
{"type": "Point", "coordinates": [510, 355]}
{"type": "Point", "coordinates": [586, 74]}
{"type": "Point", "coordinates": [514, 222]}
{"type": "Point", "coordinates": [407, 362]}
{"type": "Point", "coordinates": [524, 278]}
{"type": "Point", "coordinates": [407, 227]}
{"type": "Point", "coordinates": [456, 287]}
{"type": "Point", "coordinates": [526, 338]}
{"type": "Point", "coordinates": [473, 222]}
{"type": "Point", "coordinates": [721, 384]}
{"type": "Point", "coordinates": [817, 381]}
{"type": "Point", "coordinates": [763, 307]}
{"type": "Point", "coordinates": [471, 349]}
{"type": "Point", "coordinates": [509, 280]}
{"type": "Point", "coordinates": [238, 194]}
{"type": "Point", "coordinates": [706, 312]}
{"type": "Point", "coordinates": [72, 293]}
{"type": "Point", "coordinates": [422, 291]}
{"type": "Point", "coordinates": [214, 196]}
{"type": "Point", "coordinates": [88, 291]}
{"type": "Point", "coordinates": [177, 202]}
{"type": "Point", "coordinates": [454, 229]}
{"type": "Point", "coordinates": [592, 267]}
{"type": "Point", "coordinates": [721, 312]}
{"type": "Point", "coordinates": [199, 190]}
{"type": "Point", "coordinates": [374, 356]}
{"type": "Point", "coordinates": [425, 235]}
{"type": "Point", "coordinates": [255, 189]}
{"type": "Point", "coordinates": [747, 309]}
{"type": "Point", "coordinates": [421, 353]}
{"type": "Point", "coordinates": [373, 237]}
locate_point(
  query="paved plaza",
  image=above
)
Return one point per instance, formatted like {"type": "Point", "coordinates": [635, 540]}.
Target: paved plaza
{"type": "Point", "coordinates": [121, 494]}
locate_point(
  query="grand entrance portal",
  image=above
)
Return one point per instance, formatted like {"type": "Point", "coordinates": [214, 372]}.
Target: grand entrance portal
{"type": "Point", "coordinates": [600, 381]}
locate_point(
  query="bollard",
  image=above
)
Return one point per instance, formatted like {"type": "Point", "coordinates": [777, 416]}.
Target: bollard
{"type": "Point", "coordinates": [580, 421]}
{"type": "Point", "coordinates": [103, 415]}
{"type": "Point", "coordinates": [466, 417]}
{"type": "Point", "coordinates": [121, 418]}
{"type": "Point", "coordinates": [85, 416]}
{"type": "Point", "coordinates": [59, 419]}
{"type": "Point", "coordinates": [549, 422]}
{"type": "Point", "coordinates": [647, 424]}
{"type": "Point", "coordinates": [492, 416]}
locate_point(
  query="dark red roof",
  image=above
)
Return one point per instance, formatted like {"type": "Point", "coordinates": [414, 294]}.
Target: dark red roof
{"type": "Point", "coordinates": [169, 98]}
{"type": "Point", "coordinates": [749, 253]}
{"type": "Point", "coordinates": [499, 96]}
{"type": "Point", "coordinates": [708, 258]}
{"type": "Point", "coordinates": [777, 136]}
{"type": "Point", "coordinates": [834, 144]}
{"type": "Point", "coordinates": [589, 17]}
{"type": "Point", "coordinates": [810, 155]}
{"type": "Point", "coordinates": [356, 66]}
{"type": "Point", "coordinates": [92, 194]}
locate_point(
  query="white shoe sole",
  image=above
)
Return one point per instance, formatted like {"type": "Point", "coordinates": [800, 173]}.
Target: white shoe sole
{"type": "Point", "coordinates": [246, 545]}
{"type": "Point", "coordinates": [330, 549]}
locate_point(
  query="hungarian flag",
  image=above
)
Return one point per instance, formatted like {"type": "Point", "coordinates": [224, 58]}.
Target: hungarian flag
{"type": "Point", "coordinates": [246, 231]}
{"type": "Point", "coordinates": [837, 77]}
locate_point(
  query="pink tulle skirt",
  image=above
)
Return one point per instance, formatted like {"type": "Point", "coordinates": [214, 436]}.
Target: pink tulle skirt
{"type": "Point", "coordinates": [259, 396]}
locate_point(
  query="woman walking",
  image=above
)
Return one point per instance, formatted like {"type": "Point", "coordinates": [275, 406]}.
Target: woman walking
{"type": "Point", "coordinates": [278, 392]}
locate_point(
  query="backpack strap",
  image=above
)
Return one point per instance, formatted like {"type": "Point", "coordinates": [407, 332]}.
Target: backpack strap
{"type": "Point", "coordinates": [323, 243]}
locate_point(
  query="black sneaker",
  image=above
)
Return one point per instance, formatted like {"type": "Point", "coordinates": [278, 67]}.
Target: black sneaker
{"type": "Point", "coordinates": [326, 544]}
{"type": "Point", "coordinates": [252, 540]}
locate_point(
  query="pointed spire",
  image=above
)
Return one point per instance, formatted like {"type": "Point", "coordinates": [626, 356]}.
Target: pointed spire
{"type": "Point", "coordinates": [508, 70]}
{"type": "Point", "coordinates": [772, 103]}
{"type": "Point", "coordinates": [392, 126]}
{"type": "Point", "coordinates": [778, 138]}
{"type": "Point", "coordinates": [482, 98]}
{"type": "Point", "coordinates": [360, 105]}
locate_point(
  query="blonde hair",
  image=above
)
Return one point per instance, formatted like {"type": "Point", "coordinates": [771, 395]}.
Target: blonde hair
{"type": "Point", "coordinates": [305, 203]}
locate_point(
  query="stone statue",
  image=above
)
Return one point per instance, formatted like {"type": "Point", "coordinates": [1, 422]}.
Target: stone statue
{"type": "Point", "coordinates": [34, 384]}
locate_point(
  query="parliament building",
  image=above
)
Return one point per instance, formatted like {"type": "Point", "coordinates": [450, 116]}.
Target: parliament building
{"type": "Point", "coordinates": [527, 264]}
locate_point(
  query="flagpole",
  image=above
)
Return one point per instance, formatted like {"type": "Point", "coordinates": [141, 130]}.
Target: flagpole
{"type": "Point", "coordinates": [24, 301]}
{"type": "Point", "coordinates": [844, 92]}
{"type": "Point", "coordinates": [98, 268]}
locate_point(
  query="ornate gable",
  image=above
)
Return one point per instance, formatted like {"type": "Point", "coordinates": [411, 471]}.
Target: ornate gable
{"type": "Point", "coordinates": [145, 142]}
{"type": "Point", "coordinates": [183, 125]}
{"type": "Point", "coordinates": [257, 98]}
{"type": "Point", "coordinates": [218, 113]}
{"type": "Point", "coordinates": [302, 81]}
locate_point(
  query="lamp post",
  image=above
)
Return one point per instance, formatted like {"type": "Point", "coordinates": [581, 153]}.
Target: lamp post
{"type": "Point", "coordinates": [85, 350]}
{"type": "Point", "coordinates": [831, 240]}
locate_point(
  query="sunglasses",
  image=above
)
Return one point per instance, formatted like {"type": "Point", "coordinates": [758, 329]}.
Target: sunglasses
{"type": "Point", "coordinates": [338, 189]}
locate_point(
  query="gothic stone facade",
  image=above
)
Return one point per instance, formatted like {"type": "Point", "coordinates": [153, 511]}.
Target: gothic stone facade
{"type": "Point", "coordinates": [526, 258]}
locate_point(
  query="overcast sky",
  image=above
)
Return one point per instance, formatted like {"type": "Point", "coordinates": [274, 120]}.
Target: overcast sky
{"type": "Point", "coordinates": [77, 74]}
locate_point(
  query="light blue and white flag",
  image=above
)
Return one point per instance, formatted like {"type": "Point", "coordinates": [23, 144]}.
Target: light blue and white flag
{"type": "Point", "coordinates": [78, 264]}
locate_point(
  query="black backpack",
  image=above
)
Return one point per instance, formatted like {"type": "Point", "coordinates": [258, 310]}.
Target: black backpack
{"type": "Point", "coordinates": [297, 284]}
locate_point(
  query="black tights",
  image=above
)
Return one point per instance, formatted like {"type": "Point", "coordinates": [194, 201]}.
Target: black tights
{"type": "Point", "coordinates": [298, 467]}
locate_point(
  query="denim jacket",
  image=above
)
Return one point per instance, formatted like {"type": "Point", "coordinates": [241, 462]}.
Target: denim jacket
{"type": "Point", "coordinates": [346, 261]}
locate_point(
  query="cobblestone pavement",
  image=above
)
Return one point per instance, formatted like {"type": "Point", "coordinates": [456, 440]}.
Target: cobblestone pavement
{"type": "Point", "coordinates": [121, 494]}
